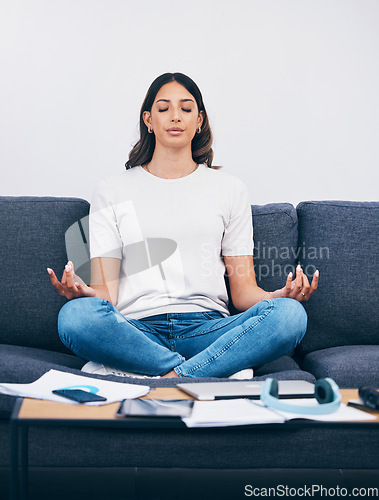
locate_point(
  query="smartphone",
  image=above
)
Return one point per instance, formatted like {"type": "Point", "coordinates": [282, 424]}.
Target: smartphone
{"type": "Point", "coordinates": [155, 408]}
{"type": "Point", "coordinates": [79, 395]}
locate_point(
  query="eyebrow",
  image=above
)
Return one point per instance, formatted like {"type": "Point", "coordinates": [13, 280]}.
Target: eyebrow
{"type": "Point", "coordinates": [181, 100]}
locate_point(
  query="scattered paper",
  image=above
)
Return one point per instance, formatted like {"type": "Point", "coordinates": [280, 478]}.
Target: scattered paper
{"type": "Point", "coordinates": [228, 412]}
{"type": "Point", "coordinates": [54, 379]}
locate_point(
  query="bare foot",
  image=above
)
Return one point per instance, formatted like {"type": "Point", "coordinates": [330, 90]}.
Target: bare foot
{"type": "Point", "coordinates": [171, 374]}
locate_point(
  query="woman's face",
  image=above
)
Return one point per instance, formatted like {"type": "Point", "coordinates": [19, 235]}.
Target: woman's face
{"type": "Point", "coordinates": [174, 107]}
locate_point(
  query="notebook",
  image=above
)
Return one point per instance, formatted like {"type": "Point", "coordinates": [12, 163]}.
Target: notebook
{"type": "Point", "coordinates": [227, 412]}
{"type": "Point", "coordinates": [208, 391]}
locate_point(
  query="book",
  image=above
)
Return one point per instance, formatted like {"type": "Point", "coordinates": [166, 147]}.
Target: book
{"type": "Point", "coordinates": [229, 412]}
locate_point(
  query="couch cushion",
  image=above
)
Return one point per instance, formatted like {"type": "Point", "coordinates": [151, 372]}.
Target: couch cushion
{"type": "Point", "coordinates": [275, 244]}
{"type": "Point", "coordinates": [340, 238]}
{"type": "Point", "coordinates": [23, 365]}
{"type": "Point", "coordinates": [282, 364]}
{"type": "Point", "coordinates": [33, 238]}
{"type": "Point", "coordinates": [349, 366]}
{"type": "Point", "coordinates": [26, 364]}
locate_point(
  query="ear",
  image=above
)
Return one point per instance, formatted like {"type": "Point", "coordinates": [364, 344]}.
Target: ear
{"type": "Point", "coordinates": [200, 118]}
{"type": "Point", "coordinates": [147, 118]}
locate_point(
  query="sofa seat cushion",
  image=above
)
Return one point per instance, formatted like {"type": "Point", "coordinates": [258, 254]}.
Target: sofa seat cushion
{"type": "Point", "coordinates": [349, 366]}
{"type": "Point", "coordinates": [23, 365]}
{"type": "Point", "coordinates": [285, 363]}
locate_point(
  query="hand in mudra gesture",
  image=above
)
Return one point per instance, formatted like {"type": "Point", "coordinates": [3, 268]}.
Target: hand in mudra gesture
{"type": "Point", "coordinates": [298, 289]}
{"type": "Point", "coordinates": [71, 286]}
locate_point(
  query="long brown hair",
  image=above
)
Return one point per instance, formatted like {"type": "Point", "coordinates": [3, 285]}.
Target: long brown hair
{"type": "Point", "coordinates": [201, 146]}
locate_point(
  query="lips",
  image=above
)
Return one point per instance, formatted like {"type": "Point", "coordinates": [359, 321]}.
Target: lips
{"type": "Point", "coordinates": [175, 131]}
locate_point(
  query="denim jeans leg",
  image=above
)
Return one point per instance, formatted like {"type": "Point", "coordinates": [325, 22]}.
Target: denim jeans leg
{"type": "Point", "coordinates": [94, 330]}
{"type": "Point", "coordinates": [264, 332]}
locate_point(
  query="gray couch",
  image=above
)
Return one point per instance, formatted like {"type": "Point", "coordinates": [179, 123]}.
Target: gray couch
{"type": "Point", "coordinates": [340, 238]}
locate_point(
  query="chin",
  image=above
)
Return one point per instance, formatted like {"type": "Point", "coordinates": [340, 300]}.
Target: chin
{"type": "Point", "coordinates": [176, 141]}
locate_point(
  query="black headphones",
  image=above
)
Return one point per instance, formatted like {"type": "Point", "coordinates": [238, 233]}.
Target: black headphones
{"type": "Point", "coordinates": [326, 393]}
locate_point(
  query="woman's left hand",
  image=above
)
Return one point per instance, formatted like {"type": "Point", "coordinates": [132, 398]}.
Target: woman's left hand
{"type": "Point", "coordinates": [298, 289]}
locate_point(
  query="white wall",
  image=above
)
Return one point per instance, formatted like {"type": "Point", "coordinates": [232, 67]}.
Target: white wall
{"type": "Point", "coordinates": [291, 89]}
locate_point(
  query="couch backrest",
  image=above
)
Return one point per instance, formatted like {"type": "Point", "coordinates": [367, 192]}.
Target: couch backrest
{"type": "Point", "coordinates": [32, 233]}
{"type": "Point", "coordinates": [275, 244]}
{"type": "Point", "coordinates": [340, 239]}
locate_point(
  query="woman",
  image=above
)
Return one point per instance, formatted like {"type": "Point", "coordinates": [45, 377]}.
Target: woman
{"type": "Point", "coordinates": [162, 234]}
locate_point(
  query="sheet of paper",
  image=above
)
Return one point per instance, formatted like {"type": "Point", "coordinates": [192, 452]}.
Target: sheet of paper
{"type": "Point", "coordinates": [53, 379]}
{"type": "Point", "coordinates": [228, 412]}
{"type": "Point", "coordinates": [343, 414]}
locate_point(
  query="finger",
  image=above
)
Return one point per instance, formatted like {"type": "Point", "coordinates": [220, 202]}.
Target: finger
{"type": "Point", "coordinates": [64, 275]}
{"type": "Point", "coordinates": [69, 278]}
{"type": "Point", "coordinates": [315, 281]}
{"type": "Point", "coordinates": [54, 280]}
{"type": "Point", "coordinates": [304, 290]}
{"type": "Point", "coordinates": [299, 277]}
{"type": "Point", "coordinates": [67, 272]}
{"type": "Point", "coordinates": [311, 288]}
{"type": "Point", "coordinates": [306, 285]}
{"type": "Point", "coordinates": [77, 279]}
{"type": "Point", "coordinates": [84, 290]}
{"type": "Point", "coordinates": [289, 282]}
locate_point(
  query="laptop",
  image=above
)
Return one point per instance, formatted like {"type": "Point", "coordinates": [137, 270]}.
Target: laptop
{"type": "Point", "coordinates": [208, 391]}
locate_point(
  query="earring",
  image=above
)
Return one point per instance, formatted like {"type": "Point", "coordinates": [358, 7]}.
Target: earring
{"type": "Point", "coordinates": [199, 130]}
{"type": "Point", "coordinates": [150, 130]}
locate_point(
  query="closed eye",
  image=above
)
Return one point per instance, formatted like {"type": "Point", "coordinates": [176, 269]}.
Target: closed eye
{"type": "Point", "coordinates": [186, 110]}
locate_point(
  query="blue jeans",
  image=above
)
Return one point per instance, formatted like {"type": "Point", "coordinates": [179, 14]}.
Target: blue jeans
{"type": "Point", "coordinates": [195, 344]}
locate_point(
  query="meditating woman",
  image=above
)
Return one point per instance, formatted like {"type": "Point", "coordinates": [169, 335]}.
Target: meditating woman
{"type": "Point", "coordinates": [162, 235]}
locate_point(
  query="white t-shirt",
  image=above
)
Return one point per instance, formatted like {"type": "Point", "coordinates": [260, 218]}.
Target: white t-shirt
{"type": "Point", "coordinates": [171, 235]}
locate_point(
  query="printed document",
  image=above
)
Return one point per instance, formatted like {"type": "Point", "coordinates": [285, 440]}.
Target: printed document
{"type": "Point", "coordinates": [54, 379]}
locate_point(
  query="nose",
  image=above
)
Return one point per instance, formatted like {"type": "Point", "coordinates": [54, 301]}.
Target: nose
{"type": "Point", "coordinates": [176, 119]}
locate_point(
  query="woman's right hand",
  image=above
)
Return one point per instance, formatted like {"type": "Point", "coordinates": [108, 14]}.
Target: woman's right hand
{"type": "Point", "coordinates": [71, 286]}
